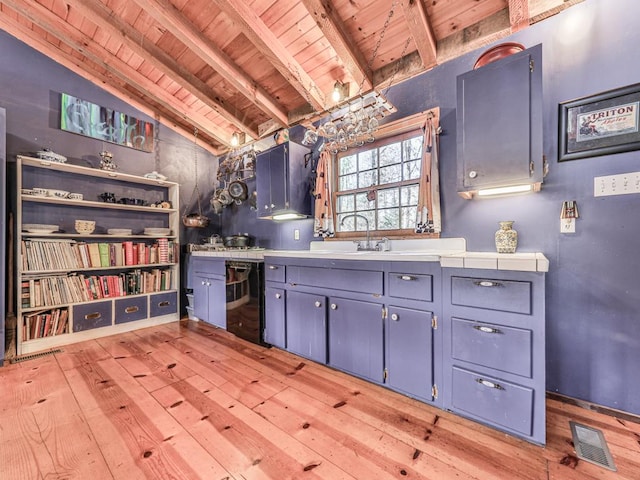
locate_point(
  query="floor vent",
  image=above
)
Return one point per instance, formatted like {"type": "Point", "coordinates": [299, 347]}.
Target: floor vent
{"type": "Point", "coordinates": [591, 446]}
{"type": "Point", "coordinates": [33, 356]}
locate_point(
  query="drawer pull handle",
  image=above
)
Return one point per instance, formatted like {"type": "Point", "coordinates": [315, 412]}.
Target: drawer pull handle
{"type": "Point", "coordinates": [165, 303]}
{"type": "Point", "coordinates": [278, 295]}
{"type": "Point", "coordinates": [318, 304]}
{"type": "Point", "coordinates": [93, 316]}
{"type": "Point", "coordinates": [272, 267]}
{"type": "Point", "coordinates": [489, 384]}
{"type": "Point", "coordinates": [395, 317]}
{"type": "Point", "coordinates": [484, 329]}
{"type": "Point", "coordinates": [334, 306]}
{"type": "Point", "coordinates": [132, 309]}
{"type": "Point", "coordinates": [406, 278]}
{"type": "Point", "coordinates": [487, 283]}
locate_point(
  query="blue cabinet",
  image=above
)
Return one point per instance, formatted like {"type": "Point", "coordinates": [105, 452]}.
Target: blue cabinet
{"type": "Point", "coordinates": [356, 337]}
{"type": "Point", "coordinates": [209, 290]}
{"type": "Point", "coordinates": [275, 326]}
{"type": "Point", "coordinates": [3, 255]}
{"type": "Point", "coordinates": [500, 137]}
{"type": "Point", "coordinates": [307, 325]}
{"type": "Point", "coordinates": [282, 181]}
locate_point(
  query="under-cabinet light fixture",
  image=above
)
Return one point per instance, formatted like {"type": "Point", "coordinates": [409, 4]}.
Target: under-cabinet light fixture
{"type": "Point", "coordinates": [288, 216]}
{"type": "Point", "coordinates": [489, 192]}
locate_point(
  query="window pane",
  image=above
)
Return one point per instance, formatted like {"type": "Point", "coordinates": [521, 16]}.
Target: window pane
{"type": "Point", "coordinates": [412, 169]}
{"type": "Point", "coordinates": [347, 165]}
{"type": "Point", "coordinates": [346, 223]}
{"type": "Point", "coordinates": [390, 174]}
{"type": "Point", "coordinates": [368, 160]}
{"type": "Point", "coordinates": [408, 217]}
{"type": "Point", "coordinates": [413, 148]}
{"type": "Point", "coordinates": [349, 222]}
{"type": "Point", "coordinates": [409, 195]}
{"type": "Point", "coordinates": [367, 179]}
{"type": "Point", "coordinates": [346, 203]}
{"type": "Point", "coordinates": [388, 219]}
{"type": "Point", "coordinates": [348, 182]}
{"type": "Point", "coordinates": [390, 154]}
{"type": "Point", "coordinates": [362, 203]}
{"type": "Point", "coordinates": [389, 197]}
{"type": "Point", "coordinates": [370, 215]}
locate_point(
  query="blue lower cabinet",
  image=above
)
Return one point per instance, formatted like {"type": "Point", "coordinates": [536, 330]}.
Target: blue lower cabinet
{"type": "Point", "coordinates": [307, 325]}
{"type": "Point", "coordinates": [493, 400]}
{"type": "Point", "coordinates": [163, 304]}
{"type": "Point", "coordinates": [275, 320]}
{"type": "Point", "coordinates": [130, 309]}
{"type": "Point", "coordinates": [92, 315]}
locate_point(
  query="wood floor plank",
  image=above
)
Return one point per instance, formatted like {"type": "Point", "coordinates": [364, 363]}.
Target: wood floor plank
{"type": "Point", "coordinates": [38, 416]}
{"type": "Point", "coordinates": [246, 444]}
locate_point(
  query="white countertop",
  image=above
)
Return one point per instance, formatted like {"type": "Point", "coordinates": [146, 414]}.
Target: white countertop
{"type": "Point", "coordinates": [450, 252]}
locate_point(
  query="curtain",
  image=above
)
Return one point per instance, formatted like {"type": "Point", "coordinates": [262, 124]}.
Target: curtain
{"type": "Point", "coordinates": [428, 219]}
{"type": "Point", "coordinates": [323, 223]}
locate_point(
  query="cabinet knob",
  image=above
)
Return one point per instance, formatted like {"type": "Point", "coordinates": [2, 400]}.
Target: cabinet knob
{"type": "Point", "coordinates": [318, 304]}
{"type": "Point", "coordinates": [334, 306]}
{"type": "Point", "coordinates": [395, 317]}
{"type": "Point", "coordinates": [473, 174]}
{"type": "Point", "coordinates": [204, 283]}
{"type": "Point", "coordinates": [278, 295]}
{"type": "Point", "coordinates": [273, 206]}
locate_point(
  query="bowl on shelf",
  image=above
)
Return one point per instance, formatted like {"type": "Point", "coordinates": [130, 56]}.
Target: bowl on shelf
{"type": "Point", "coordinates": [85, 227]}
{"type": "Point", "coordinates": [58, 193]}
{"type": "Point", "coordinates": [39, 228]}
{"type": "Point", "coordinates": [157, 231]}
{"type": "Point", "coordinates": [119, 231]}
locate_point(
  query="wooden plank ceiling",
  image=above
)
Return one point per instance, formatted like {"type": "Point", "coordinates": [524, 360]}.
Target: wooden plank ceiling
{"type": "Point", "coordinates": [253, 66]}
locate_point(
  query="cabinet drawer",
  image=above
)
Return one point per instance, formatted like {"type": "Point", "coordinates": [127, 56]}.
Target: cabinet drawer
{"type": "Point", "coordinates": [492, 294]}
{"type": "Point", "coordinates": [361, 281]}
{"type": "Point", "coordinates": [494, 346]}
{"type": "Point", "coordinates": [164, 304]}
{"type": "Point", "coordinates": [130, 309]}
{"type": "Point", "coordinates": [501, 403]}
{"type": "Point", "coordinates": [213, 266]}
{"type": "Point", "coordinates": [412, 286]}
{"type": "Point", "coordinates": [274, 272]}
{"type": "Point", "coordinates": [91, 315]}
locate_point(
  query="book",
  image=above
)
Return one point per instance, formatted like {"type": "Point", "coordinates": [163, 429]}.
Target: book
{"type": "Point", "coordinates": [103, 248]}
{"type": "Point", "coordinates": [94, 254]}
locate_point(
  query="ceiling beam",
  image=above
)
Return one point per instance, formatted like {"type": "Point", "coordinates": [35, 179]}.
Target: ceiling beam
{"type": "Point", "coordinates": [415, 14]}
{"type": "Point", "coordinates": [67, 60]}
{"type": "Point", "coordinates": [169, 17]}
{"type": "Point", "coordinates": [519, 14]}
{"type": "Point", "coordinates": [272, 49]}
{"type": "Point", "coordinates": [84, 45]}
{"type": "Point", "coordinates": [99, 14]}
{"type": "Point", "coordinates": [335, 33]}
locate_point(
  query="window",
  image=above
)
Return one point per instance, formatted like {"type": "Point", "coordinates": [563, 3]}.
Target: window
{"type": "Point", "coordinates": [379, 184]}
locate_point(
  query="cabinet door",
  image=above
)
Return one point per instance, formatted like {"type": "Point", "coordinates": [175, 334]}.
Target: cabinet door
{"type": "Point", "coordinates": [410, 351]}
{"type": "Point", "coordinates": [274, 317]}
{"type": "Point", "coordinates": [306, 330]}
{"type": "Point", "coordinates": [217, 302]}
{"type": "Point", "coordinates": [201, 297]}
{"type": "Point", "coordinates": [499, 128]}
{"type": "Point", "coordinates": [278, 162]}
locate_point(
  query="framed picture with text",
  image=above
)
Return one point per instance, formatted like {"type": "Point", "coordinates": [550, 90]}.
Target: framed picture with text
{"type": "Point", "coordinates": [600, 124]}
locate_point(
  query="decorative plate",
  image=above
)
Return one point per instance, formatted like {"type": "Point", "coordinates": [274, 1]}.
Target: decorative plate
{"type": "Point", "coordinates": [51, 156]}
{"type": "Point", "coordinates": [40, 228]}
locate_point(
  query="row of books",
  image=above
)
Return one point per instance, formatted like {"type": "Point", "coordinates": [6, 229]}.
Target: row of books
{"type": "Point", "coordinates": [68, 289]}
{"type": "Point", "coordinates": [42, 255]}
{"type": "Point", "coordinates": [45, 323]}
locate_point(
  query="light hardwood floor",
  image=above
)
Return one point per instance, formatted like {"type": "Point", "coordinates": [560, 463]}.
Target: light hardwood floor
{"type": "Point", "coordinates": [188, 401]}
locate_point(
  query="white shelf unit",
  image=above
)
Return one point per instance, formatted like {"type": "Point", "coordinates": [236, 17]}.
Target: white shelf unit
{"type": "Point", "coordinates": [96, 317]}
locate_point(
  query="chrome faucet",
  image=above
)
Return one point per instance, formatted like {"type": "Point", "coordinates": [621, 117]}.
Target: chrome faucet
{"type": "Point", "coordinates": [367, 245]}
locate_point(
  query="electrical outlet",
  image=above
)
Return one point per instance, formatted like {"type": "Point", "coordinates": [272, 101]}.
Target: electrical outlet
{"type": "Point", "coordinates": [567, 225]}
{"type": "Point", "coordinates": [621, 184]}
{"type": "Point", "coordinates": [296, 234]}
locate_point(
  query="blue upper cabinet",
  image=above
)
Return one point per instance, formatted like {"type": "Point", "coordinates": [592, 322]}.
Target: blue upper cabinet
{"type": "Point", "coordinates": [499, 124]}
{"type": "Point", "coordinates": [282, 181]}
{"type": "Point", "coordinates": [3, 199]}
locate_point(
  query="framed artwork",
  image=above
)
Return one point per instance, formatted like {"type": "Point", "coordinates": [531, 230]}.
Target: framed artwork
{"type": "Point", "coordinates": [601, 124]}
{"type": "Point", "coordinates": [92, 120]}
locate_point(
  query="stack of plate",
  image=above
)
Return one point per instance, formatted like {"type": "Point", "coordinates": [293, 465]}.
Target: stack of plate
{"type": "Point", "coordinates": [157, 231]}
{"type": "Point", "coordinates": [40, 228]}
{"type": "Point", "coordinates": [122, 232]}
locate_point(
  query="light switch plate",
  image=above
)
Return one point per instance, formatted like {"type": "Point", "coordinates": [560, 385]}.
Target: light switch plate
{"type": "Point", "coordinates": [621, 184]}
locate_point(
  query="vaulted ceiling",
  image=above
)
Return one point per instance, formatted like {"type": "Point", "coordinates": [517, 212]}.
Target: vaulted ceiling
{"type": "Point", "coordinates": [254, 66]}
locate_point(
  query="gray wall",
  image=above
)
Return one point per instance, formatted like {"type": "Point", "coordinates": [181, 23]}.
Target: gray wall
{"type": "Point", "coordinates": [593, 286]}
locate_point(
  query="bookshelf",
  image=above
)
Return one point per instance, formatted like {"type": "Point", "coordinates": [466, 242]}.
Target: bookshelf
{"type": "Point", "coordinates": [123, 276]}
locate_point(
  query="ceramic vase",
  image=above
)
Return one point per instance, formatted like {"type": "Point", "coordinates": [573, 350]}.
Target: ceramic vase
{"type": "Point", "coordinates": [506, 238]}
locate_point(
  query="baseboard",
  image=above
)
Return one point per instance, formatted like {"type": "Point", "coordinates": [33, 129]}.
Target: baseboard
{"type": "Point", "coordinates": [612, 412]}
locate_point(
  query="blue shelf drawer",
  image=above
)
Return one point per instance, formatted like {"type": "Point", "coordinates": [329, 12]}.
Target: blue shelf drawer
{"type": "Point", "coordinates": [91, 315]}
{"type": "Point", "coordinates": [493, 400]}
{"type": "Point", "coordinates": [163, 304]}
{"type": "Point", "coordinates": [411, 286]}
{"type": "Point", "coordinates": [274, 272]}
{"type": "Point", "coordinates": [504, 295]}
{"type": "Point", "coordinates": [131, 309]}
